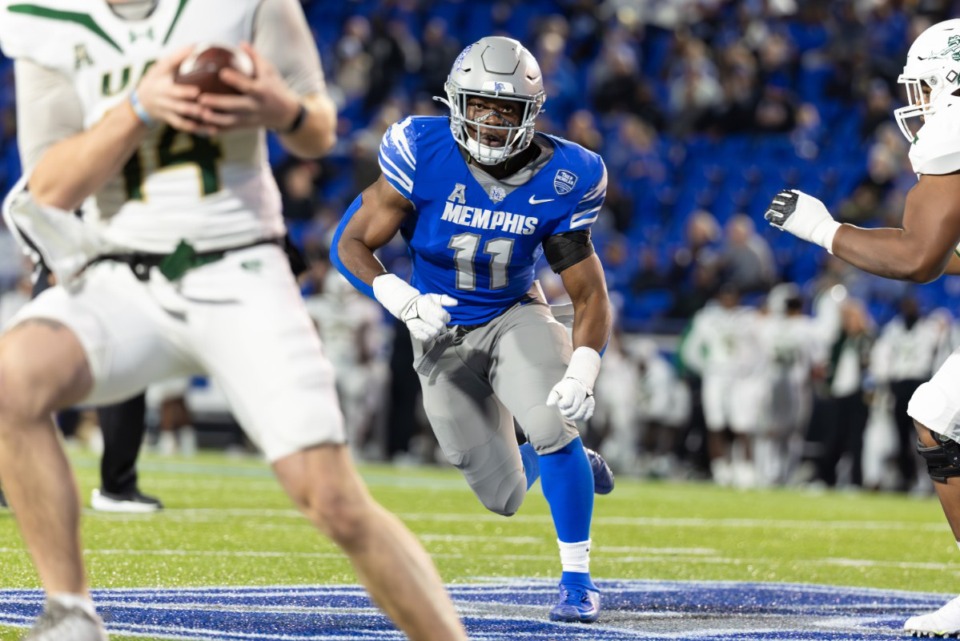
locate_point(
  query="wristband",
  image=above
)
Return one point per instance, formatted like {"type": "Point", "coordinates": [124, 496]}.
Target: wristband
{"type": "Point", "coordinates": [824, 232]}
{"type": "Point", "coordinates": [584, 366]}
{"type": "Point", "coordinates": [298, 121]}
{"type": "Point", "coordinates": [139, 110]}
{"type": "Point", "coordinates": [393, 292]}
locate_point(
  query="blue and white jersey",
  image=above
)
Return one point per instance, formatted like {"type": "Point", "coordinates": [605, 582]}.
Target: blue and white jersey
{"type": "Point", "coordinates": [476, 244]}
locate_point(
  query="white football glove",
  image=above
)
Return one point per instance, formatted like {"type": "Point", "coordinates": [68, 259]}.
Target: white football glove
{"type": "Point", "coordinates": [423, 314]}
{"type": "Point", "coordinates": [803, 216]}
{"type": "Point", "coordinates": [573, 395]}
{"type": "Point", "coordinates": [65, 243]}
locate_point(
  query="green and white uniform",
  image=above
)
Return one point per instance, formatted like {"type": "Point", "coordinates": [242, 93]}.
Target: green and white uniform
{"type": "Point", "coordinates": [239, 319]}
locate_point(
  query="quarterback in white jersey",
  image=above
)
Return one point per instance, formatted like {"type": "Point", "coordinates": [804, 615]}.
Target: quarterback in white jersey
{"type": "Point", "coordinates": [176, 269]}
{"type": "Point", "coordinates": [922, 249]}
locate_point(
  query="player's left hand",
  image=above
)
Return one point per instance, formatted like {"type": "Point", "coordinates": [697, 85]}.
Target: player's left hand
{"type": "Point", "coordinates": [573, 395]}
{"type": "Point", "coordinates": [574, 399]}
{"type": "Point", "coordinates": [803, 216]}
{"type": "Point", "coordinates": [265, 99]}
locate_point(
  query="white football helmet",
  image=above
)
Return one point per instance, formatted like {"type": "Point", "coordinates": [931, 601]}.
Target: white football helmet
{"type": "Point", "coordinates": [933, 61]}
{"type": "Point", "coordinates": [132, 9]}
{"type": "Point", "coordinates": [494, 67]}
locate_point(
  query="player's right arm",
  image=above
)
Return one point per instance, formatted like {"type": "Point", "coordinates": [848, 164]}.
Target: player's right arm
{"type": "Point", "coordinates": [64, 172]}
{"type": "Point", "coordinates": [920, 250]}
{"type": "Point", "coordinates": [369, 223]}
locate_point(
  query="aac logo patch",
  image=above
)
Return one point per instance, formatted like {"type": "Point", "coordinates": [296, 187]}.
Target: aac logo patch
{"type": "Point", "coordinates": [564, 181]}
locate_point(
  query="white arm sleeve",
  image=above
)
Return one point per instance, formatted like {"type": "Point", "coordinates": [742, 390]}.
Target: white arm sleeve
{"type": "Point", "coordinates": [281, 34]}
{"type": "Point", "coordinates": [48, 110]}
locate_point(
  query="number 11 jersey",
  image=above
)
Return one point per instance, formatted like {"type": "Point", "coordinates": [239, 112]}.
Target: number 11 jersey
{"type": "Point", "coordinates": [475, 238]}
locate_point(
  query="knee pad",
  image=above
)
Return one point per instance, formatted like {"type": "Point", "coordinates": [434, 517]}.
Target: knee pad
{"type": "Point", "coordinates": [546, 430]}
{"type": "Point", "coordinates": [503, 495]}
{"type": "Point", "coordinates": [943, 459]}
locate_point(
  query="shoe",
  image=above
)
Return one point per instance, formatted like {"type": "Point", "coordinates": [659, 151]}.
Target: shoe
{"type": "Point", "coordinates": [945, 622]}
{"type": "Point", "coordinates": [602, 474]}
{"type": "Point", "coordinates": [577, 605]}
{"type": "Point", "coordinates": [131, 502]}
{"type": "Point", "coordinates": [59, 622]}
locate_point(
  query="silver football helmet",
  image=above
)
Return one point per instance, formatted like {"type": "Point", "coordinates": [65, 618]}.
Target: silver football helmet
{"type": "Point", "coordinates": [494, 67]}
{"type": "Point", "coordinates": [933, 61]}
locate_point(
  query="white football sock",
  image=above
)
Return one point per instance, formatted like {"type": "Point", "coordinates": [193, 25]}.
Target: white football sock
{"type": "Point", "coordinates": [575, 557]}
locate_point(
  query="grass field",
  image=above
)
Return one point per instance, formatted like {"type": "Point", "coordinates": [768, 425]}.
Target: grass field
{"type": "Point", "coordinates": [228, 524]}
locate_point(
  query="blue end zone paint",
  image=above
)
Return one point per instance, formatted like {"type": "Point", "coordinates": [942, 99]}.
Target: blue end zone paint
{"type": "Point", "coordinates": [633, 610]}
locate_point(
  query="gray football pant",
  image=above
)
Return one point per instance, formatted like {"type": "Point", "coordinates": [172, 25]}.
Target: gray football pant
{"type": "Point", "coordinates": [475, 383]}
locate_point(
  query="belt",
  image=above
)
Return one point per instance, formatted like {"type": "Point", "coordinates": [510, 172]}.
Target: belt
{"type": "Point", "coordinates": [463, 330]}
{"type": "Point", "coordinates": [177, 263]}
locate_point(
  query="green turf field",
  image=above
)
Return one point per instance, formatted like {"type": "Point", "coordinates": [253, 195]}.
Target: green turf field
{"type": "Point", "coordinates": [227, 523]}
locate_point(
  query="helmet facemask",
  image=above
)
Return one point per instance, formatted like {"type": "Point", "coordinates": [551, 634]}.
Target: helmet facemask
{"type": "Point", "coordinates": [923, 94]}
{"type": "Point", "coordinates": [468, 131]}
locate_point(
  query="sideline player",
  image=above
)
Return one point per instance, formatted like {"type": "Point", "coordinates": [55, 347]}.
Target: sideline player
{"type": "Point", "coordinates": [176, 270]}
{"type": "Point", "coordinates": [477, 209]}
{"type": "Point", "coordinates": [920, 251]}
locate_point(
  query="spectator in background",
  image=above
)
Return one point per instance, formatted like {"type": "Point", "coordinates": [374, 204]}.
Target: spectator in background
{"type": "Point", "coordinates": [694, 85]}
{"type": "Point", "coordinates": [692, 274]}
{"type": "Point", "coordinates": [439, 48]}
{"type": "Point", "coordinates": [559, 77]}
{"type": "Point", "coordinates": [353, 60]}
{"type": "Point", "coordinates": [582, 129]}
{"type": "Point", "coordinates": [879, 104]}
{"type": "Point", "coordinates": [613, 78]}
{"type": "Point", "coordinates": [776, 111]}
{"type": "Point", "coordinates": [735, 113]}
{"type": "Point", "coordinates": [746, 260]}
{"type": "Point", "coordinates": [298, 190]}
{"type": "Point", "coordinates": [387, 63]}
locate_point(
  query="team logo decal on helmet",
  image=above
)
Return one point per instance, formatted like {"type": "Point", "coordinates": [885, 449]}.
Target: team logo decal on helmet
{"type": "Point", "coordinates": [930, 76]}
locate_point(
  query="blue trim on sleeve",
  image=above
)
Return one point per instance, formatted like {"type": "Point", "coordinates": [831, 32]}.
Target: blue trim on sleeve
{"type": "Point", "coordinates": [335, 256]}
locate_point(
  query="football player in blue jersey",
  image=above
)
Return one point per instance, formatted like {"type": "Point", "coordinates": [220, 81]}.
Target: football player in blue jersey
{"type": "Point", "coordinates": [477, 209]}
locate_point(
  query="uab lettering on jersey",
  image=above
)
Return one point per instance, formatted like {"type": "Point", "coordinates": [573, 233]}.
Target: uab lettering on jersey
{"type": "Point", "coordinates": [107, 87]}
{"type": "Point", "coordinates": [481, 218]}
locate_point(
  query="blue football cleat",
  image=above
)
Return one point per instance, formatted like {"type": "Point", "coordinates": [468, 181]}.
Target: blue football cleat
{"type": "Point", "coordinates": [578, 604]}
{"type": "Point", "coordinates": [602, 474]}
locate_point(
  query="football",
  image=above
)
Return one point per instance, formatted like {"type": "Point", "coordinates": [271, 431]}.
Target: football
{"type": "Point", "coordinates": [202, 67]}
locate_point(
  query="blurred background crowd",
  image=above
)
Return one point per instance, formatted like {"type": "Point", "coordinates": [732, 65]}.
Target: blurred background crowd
{"type": "Point", "coordinates": [742, 354]}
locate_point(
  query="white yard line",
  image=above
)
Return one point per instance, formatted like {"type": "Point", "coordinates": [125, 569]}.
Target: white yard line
{"type": "Point", "coordinates": [671, 557]}
{"type": "Point", "coordinates": [623, 521]}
